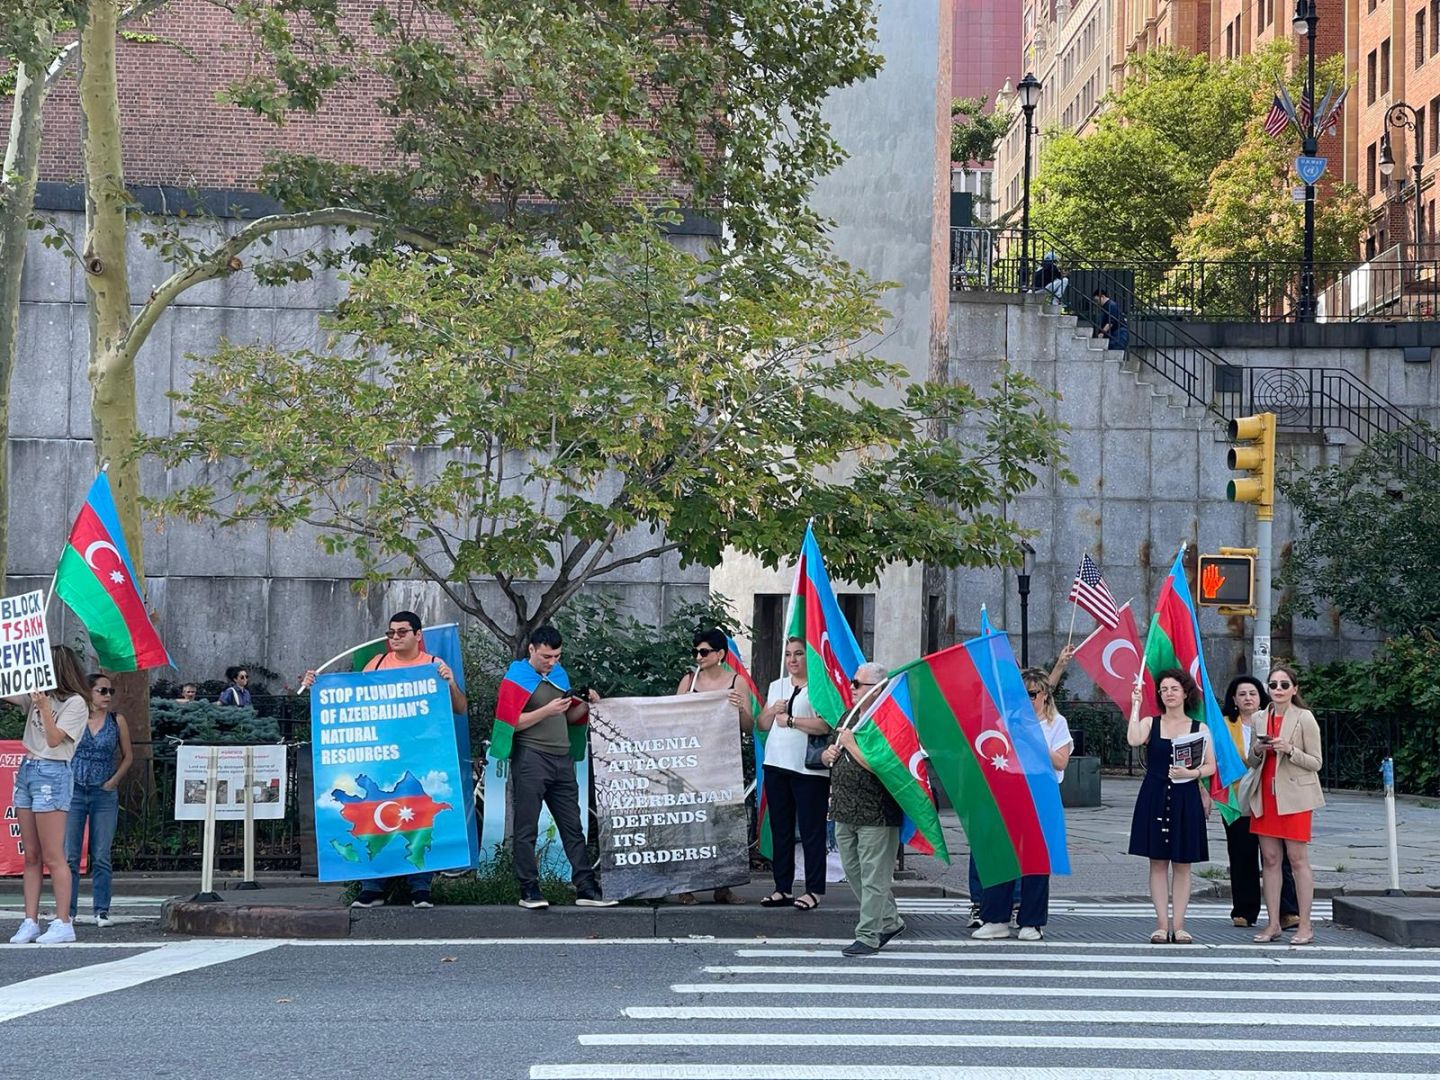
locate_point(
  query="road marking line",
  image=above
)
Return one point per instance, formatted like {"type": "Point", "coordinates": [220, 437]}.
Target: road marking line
{"type": "Point", "coordinates": [970, 972]}
{"type": "Point", "coordinates": [1233, 1020]}
{"type": "Point", "coordinates": [1158, 956]}
{"type": "Point", "coordinates": [890, 989]}
{"type": "Point", "coordinates": [63, 987]}
{"type": "Point", "coordinates": [844, 1071]}
{"type": "Point", "coordinates": [1006, 1041]}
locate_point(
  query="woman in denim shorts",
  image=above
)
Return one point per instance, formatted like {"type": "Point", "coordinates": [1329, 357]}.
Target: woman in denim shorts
{"type": "Point", "coordinates": [43, 787]}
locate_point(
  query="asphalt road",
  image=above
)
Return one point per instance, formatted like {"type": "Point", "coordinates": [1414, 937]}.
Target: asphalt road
{"type": "Point", "coordinates": [1099, 1005]}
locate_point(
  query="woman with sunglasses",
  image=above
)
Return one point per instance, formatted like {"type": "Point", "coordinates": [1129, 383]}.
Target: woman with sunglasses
{"type": "Point", "coordinates": [710, 673]}
{"type": "Point", "coordinates": [102, 756]}
{"type": "Point", "coordinates": [1168, 827]}
{"type": "Point", "coordinates": [793, 791]}
{"type": "Point", "coordinates": [237, 692]}
{"type": "Point", "coordinates": [1286, 744]}
{"type": "Point", "coordinates": [996, 900]}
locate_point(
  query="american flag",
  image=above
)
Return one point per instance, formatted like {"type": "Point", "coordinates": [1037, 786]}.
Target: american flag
{"type": "Point", "coordinates": [1090, 593]}
{"type": "Point", "coordinates": [1304, 111]}
{"type": "Point", "coordinates": [1276, 119]}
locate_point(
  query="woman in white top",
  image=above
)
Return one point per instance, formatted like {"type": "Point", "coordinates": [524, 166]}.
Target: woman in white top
{"type": "Point", "coordinates": [995, 900]}
{"type": "Point", "coordinates": [793, 792]}
{"type": "Point", "coordinates": [43, 786]}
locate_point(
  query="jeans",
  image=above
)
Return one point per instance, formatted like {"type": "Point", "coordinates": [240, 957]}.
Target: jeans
{"type": "Point", "coordinates": [102, 809]}
{"type": "Point", "coordinates": [995, 902]}
{"type": "Point", "coordinates": [537, 777]}
{"type": "Point", "coordinates": [419, 883]}
{"type": "Point", "coordinates": [868, 854]}
{"type": "Point", "coordinates": [976, 889]}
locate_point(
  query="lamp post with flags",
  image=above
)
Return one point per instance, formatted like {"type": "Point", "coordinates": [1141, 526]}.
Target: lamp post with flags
{"type": "Point", "coordinates": [1306, 16]}
{"type": "Point", "coordinates": [1404, 115]}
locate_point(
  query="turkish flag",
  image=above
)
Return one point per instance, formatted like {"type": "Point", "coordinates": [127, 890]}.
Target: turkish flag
{"type": "Point", "coordinates": [1112, 658]}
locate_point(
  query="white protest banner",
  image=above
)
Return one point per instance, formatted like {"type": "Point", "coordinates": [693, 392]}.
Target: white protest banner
{"type": "Point", "coordinates": [25, 666]}
{"type": "Point", "coordinates": [267, 787]}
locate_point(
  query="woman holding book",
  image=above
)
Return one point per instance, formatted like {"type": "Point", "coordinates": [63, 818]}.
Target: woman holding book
{"type": "Point", "coordinates": [1168, 827]}
{"type": "Point", "coordinates": [1286, 744]}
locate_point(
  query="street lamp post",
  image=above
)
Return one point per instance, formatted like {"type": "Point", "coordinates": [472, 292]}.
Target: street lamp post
{"type": "Point", "coordinates": [1029, 95]}
{"type": "Point", "coordinates": [1022, 584]}
{"type": "Point", "coordinates": [1404, 115]}
{"type": "Point", "coordinates": [1304, 22]}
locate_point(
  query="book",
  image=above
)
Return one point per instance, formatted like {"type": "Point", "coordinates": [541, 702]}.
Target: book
{"type": "Point", "coordinates": [1188, 752]}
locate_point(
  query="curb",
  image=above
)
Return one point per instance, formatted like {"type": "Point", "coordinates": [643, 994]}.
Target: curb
{"type": "Point", "coordinates": [253, 920]}
{"type": "Point", "coordinates": [1410, 921]}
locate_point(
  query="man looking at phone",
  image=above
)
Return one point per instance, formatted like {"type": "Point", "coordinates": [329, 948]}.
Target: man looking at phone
{"type": "Point", "coordinates": [537, 719]}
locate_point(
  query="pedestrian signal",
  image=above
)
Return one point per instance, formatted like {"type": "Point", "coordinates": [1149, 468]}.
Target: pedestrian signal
{"type": "Point", "coordinates": [1227, 580]}
{"type": "Point", "coordinates": [1256, 456]}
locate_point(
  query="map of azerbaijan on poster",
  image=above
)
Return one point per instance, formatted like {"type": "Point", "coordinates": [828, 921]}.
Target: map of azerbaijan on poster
{"type": "Point", "coordinates": [389, 789]}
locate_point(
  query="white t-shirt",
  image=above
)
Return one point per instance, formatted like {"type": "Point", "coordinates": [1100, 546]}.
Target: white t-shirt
{"type": "Point", "coordinates": [71, 715]}
{"type": "Point", "coordinates": [1057, 736]}
{"type": "Point", "coordinates": [785, 746]}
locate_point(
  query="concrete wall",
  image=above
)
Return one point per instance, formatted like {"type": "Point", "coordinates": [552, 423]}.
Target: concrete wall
{"type": "Point", "coordinates": [887, 201]}
{"type": "Point", "coordinates": [222, 596]}
{"type": "Point", "coordinates": [1151, 475]}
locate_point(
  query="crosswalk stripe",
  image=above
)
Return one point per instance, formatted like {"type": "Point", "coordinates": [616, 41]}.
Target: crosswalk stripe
{"type": "Point", "coordinates": [1050, 953]}
{"type": "Point", "coordinates": [1004, 1040]}
{"type": "Point", "coordinates": [908, 990]}
{"type": "Point", "coordinates": [844, 1071]}
{"type": "Point", "coordinates": [1235, 1021]}
{"type": "Point", "coordinates": [971, 972]}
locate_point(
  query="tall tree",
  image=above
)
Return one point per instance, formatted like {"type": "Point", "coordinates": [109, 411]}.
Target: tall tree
{"type": "Point", "coordinates": [974, 132]}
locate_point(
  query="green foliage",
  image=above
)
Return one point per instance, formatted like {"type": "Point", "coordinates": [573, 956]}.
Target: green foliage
{"type": "Point", "coordinates": [1179, 166]}
{"type": "Point", "coordinates": [683, 402]}
{"type": "Point", "coordinates": [492, 882]}
{"type": "Point", "coordinates": [12, 721]}
{"type": "Point", "coordinates": [974, 133]}
{"type": "Point", "coordinates": [1365, 542]}
{"type": "Point", "coordinates": [207, 722]}
{"type": "Point", "coordinates": [1401, 684]}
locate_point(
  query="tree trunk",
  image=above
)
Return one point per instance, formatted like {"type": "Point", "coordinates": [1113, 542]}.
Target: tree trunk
{"type": "Point", "coordinates": [17, 201]}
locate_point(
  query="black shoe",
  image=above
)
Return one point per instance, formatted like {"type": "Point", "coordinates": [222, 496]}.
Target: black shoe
{"type": "Point", "coordinates": [975, 921]}
{"type": "Point", "coordinates": [885, 939]}
{"type": "Point", "coordinates": [859, 948]}
{"type": "Point", "coordinates": [420, 900]}
{"type": "Point", "coordinates": [530, 897]}
{"type": "Point", "coordinates": [369, 899]}
{"type": "Point", "coordinates": [592, 898]}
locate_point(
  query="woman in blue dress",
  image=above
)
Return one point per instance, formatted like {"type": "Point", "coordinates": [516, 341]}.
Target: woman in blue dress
{"type": "Point", "coordinates": [1169, 823]}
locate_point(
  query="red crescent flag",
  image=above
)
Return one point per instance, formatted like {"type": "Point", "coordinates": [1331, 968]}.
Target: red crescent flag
{"type": "Point", "coordinates": [1112, 657]}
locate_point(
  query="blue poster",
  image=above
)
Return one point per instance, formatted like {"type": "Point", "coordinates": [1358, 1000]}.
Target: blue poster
{"type": "Point", "coordinates": [390, 792]}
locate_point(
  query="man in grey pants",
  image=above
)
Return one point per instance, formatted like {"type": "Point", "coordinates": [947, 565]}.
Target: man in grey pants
{"type": "Point", "coordinates": [543, 771]}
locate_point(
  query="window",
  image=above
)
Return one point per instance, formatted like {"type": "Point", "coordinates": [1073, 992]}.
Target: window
{"type": "Point", "coordinates": [1371, 5]}
{"type": "Point", "coordinates": [1370, 69]}
{"type": "Point", "coordinates": [1385, 66]}
{"type": "Point", "coordinates": [1419, 147]}
{"type": "Point", "coordinates": [1229, 41]}
{"type": "Point", "coordinates": [1419, 37]}
{"type": "Point", "coordinates": [1434, 27]}
{"type": "Point", "coordinates": [1370, 169]}
{"type": "Point", "coordinates": [1435, 124]}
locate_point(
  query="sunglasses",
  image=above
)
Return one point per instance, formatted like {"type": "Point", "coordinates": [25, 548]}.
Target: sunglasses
{"type": "Point", "coordinates": [105, 690]}
{"type": "Point", "coordinates": [702, 653]}
{"type": "Point", "coordinates": [398, 633]}
{"type": "Point", "coordinates": [855, 684]}
{"type": "Point", "coordinates": [1280, 685]}
{"type": "Point", "coordinates": [1036, 693]}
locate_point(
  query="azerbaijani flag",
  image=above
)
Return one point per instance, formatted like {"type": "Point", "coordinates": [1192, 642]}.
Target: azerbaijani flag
{"type": "Point", "coordinates": [737, 665]}
{"type": "Point", "coordinates": [831, 652]}
{"type": "Point", "coordinates": [521, 680]}
{"type": "Point", "coordinates": [734, 662]}
{"type": "Point", "coordinates": [888, 741]}
{"type": "Point", "coordinates": [1174, 642]}
{"type": "Point", "coordinates": [97, 581]}
{"type": "Point", "coordinates": [975, 720]}
{"type": "Point", "coordinates": [377, 816]}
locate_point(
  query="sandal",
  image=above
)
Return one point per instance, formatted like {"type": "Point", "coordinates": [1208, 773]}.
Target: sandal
{"type": "Point", "coordinates": [1297, 940]}
{"type": "Point", "coordinates": [1266, 936]}
{"type": "Point", "coordinates": [807, 902]}
{"type": "Point", "coordinates": [778, 899]}
{"type": "Point", "coordinates": [728, 896]}
{"type": "Point", "coordinates": [1182, 937]}
{"type": "Point", "coordinates": [686, 898]}
{"type": "Point", "coordinates": [1160, 937]}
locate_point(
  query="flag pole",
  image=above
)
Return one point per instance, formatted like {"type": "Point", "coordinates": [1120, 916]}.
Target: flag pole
{"type": "Point", "coordinates": [373, 641]}
{"type": "Point", "coordinates": [1074, 607]}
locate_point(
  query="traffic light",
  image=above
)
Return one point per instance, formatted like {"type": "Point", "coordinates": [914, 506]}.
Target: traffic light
{"type": "Point", "coordinates": [1255, 456]}
{"type": "Point", "coordinates": [1227, 580]}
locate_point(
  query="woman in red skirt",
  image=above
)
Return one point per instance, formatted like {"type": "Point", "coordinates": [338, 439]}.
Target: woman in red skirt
{"type": "Point", "coordinates": [1287, 744]}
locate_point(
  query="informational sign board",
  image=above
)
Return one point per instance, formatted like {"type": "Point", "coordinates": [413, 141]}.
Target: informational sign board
{"type": "Point", "coordinates": [389, 788]}
{"type": "Point", "coordinates": [670, 794]}
{"type": "Point", "coordinates": [25, 664]}
{"type": "Point", "coordinates": [12, 849]}
{"type": "Point", "coordinates": [267, 785]}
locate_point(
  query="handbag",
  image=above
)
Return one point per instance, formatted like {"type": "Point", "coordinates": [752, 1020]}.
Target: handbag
{"type": "Point", "coordinates": [1247, 787]}
{"type": "Point", "coordinates": [815, 746]}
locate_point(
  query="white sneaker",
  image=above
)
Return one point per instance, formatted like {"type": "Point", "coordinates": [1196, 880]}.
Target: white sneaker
{"type": "Point", "coordinates": [992, 931]}
{"type": "Point", "coordinates": [1031, 933]}
{"type": "Point", "coordinates": [28, 932]}
{"type": "Point", "coordinates": [57, 933]}
{"type": "Point", "coordinates": [103, 919]}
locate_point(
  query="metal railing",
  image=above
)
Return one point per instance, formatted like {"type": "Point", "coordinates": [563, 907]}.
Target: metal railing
{"type": "Point", "coordinates": [1314, 399]}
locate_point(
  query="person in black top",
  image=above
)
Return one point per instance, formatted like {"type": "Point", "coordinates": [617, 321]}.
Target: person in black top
{"type": "Point", "coordinates": [1112, 321]}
